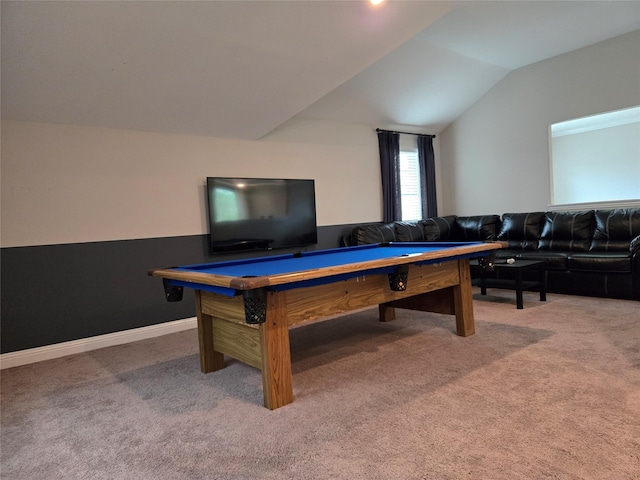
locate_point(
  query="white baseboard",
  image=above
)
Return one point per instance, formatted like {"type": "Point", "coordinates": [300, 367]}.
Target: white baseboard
{"type": "Point", "coordinates": [49, 352]}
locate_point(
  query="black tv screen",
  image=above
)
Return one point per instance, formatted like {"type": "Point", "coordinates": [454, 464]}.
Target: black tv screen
{"type": "Point", "coordinates": [260, 213]}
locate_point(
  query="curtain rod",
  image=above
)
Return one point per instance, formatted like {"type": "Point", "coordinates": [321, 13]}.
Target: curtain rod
{"type": "Point", "coordinates": [378, 130]}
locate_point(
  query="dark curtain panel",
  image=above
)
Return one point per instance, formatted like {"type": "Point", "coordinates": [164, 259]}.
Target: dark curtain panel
{"type": "Point", "coordinates": [389, 143]}
{"type": "Point", "coordinates": [426, 158]}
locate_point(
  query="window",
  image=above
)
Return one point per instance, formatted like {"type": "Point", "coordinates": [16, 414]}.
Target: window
{"type": "Point", "coordinates": [411, 200]}
{"type": "Point", "coordinates": [407, 165]}
{"type": "Point", "coordinates": [595, 161]}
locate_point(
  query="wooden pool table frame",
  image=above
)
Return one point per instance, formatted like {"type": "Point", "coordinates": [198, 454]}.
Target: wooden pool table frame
{"type": "Point", "coordinates": [442, 287]}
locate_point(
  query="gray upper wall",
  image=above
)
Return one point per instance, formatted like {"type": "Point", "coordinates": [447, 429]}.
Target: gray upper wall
{"type": "Point", "coordinates": [495, 157]}
{"type": "Point", "coordinates": [70, 184]}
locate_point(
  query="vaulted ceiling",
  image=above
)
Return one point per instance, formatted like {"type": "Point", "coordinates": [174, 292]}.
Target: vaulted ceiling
{"type": "Point", "coordinates": [242, 68]}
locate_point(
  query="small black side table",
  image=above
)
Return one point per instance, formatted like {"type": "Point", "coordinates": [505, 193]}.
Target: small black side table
{"type": "Point", "coordinates": [516, 283]}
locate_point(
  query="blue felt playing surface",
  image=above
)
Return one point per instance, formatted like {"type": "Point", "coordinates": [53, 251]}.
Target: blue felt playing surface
{"type": "Point", "coordinates": [282, 264]}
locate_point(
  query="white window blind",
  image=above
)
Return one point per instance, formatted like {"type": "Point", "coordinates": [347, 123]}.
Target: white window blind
{"type": "Point", "coordinates": [411, 201]}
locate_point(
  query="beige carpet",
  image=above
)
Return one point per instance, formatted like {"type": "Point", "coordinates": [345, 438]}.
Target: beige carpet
{"type": "Point", "coordinates": [548, 392]}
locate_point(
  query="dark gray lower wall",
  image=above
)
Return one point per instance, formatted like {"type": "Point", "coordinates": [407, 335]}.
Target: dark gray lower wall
{"type": "Point", "coordinates": [58, 293]}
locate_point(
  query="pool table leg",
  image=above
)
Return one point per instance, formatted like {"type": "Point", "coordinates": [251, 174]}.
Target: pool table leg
{"type": "Point", "coordinates": [455, 300]}
{"type": "Point", "coordinates": [386, 313]}
{"type": "Point", "coordinates": [463, 301]}
{"type": "Point", "coordinates": [276, 353]}
{"type": "Point", "coordinates": [210, 360]}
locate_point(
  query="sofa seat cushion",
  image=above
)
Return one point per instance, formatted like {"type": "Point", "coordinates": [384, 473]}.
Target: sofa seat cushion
{"type": "Point", "coordinates": [552, 260]}
{"type": "Point", "coordinates": [568, 231]}
{"type": "Point", "coordinates": [521, 230]}
{"type": "Point", "coordinates": [612, 262]}
{"type": "Point", "coordinates": [614, 229]}
{"type": "Point", "coordinates": [373, 233]}
{"type": "Point", "coordinates": [481, 228]}
{"type": "Point", "coordinates": [409, 231]}
{"type": "Point", "coordinates": [440, 229]}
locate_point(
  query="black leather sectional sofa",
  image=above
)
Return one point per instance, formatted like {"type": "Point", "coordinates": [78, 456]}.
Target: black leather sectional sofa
{"type": "Point", "coordinates": [593, 253]}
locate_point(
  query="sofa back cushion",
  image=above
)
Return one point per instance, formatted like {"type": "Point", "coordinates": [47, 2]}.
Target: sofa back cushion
{"type": "Point", "coordinates": [567, 231]}
{"type": "Point", "coordinates": [373, 233]}
{"type": "Point", "coordinates": [614, 229]}
{"type": "Point", "coordinates": [440, 229]}
{"type": "Point", "coordinates": [409, 231]}
{"type": "Point", "coordinates": [521, 230]}
{"type": "Point", "coordinates": [480, 228]}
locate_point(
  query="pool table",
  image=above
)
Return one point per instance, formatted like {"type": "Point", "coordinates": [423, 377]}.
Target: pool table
{"type": "Point", "coordinates": [245, 307]}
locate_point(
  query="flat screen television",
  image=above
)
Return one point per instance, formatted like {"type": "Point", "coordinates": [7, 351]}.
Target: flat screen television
{"type": "Point", "coordinates": [260, 213]}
